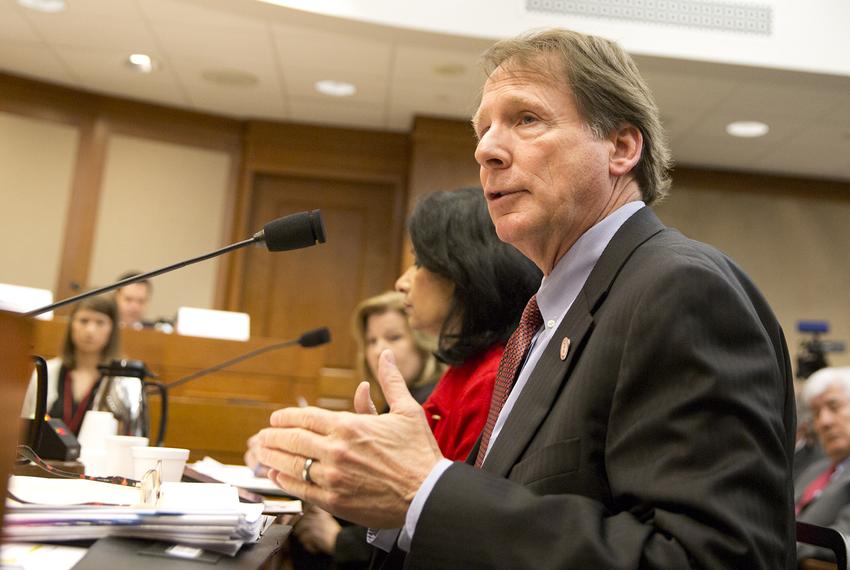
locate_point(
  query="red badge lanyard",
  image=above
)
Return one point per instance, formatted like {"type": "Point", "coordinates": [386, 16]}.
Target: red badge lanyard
{"type": "Point", "coordinates": [74, 421]}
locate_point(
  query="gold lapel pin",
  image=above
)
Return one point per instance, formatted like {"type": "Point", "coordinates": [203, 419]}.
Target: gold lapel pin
{"type": "Point", "coordinates": [565, 347]}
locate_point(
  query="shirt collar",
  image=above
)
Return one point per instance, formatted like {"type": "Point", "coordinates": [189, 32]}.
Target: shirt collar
{"type": "Point", "coordinates": [560, 288]}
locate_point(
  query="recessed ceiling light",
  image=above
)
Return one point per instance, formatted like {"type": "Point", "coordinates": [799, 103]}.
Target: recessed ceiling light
{"type": "Point", "coordinates": [335, 88]}
{"type": "Point", "coordinates": [44, 5]}
{"type": "Point", "coordinates": [747, 129]}
{"type": "Point", "coordinates": [230, 77]}
{"type": "Point", "coordinates": [141, 62]}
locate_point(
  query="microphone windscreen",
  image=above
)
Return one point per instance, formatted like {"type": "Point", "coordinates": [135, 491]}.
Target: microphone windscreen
{"type": "Point", "coordinates": [315, 337]}
{"type": "Point", "coordinates": [294, 231]}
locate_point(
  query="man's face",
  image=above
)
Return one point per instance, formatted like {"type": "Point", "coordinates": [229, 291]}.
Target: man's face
{"type": "Point", "coordinates": [544, 173]}
{"type": "Point", "coordinates": [132, 303]}
{"type": "Point", "coordinates": [831, 417]}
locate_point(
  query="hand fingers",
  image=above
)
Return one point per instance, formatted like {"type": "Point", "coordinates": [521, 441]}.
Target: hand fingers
{"type": "Point", "coordinates": [297, 487]}
{"type": "Point", "coordinates": [291, 440]}
{"type": "Point", "coordinates": [392, 383]}
{"type": "Point", "coordinates": [313, 419]}
{"type": "Point", "coordinates": [363, 403]}
{"type": "Point", "coordinates": [291, 464]}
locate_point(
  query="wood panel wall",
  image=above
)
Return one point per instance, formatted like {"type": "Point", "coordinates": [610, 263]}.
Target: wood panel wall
{"type": "Point", "coordinates": [98, 117]}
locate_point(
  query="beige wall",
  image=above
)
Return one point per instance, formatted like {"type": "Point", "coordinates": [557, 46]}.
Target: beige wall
{"type": "Point", "coordinates": [36, 168]}
{"type": "Point", "coordinates": [161, 203]}
{"type": "Point", "coordinates": [794, 247]}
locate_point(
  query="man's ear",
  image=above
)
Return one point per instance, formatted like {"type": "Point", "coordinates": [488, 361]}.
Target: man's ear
{"type": "Point", "coordinates": [627, 144]}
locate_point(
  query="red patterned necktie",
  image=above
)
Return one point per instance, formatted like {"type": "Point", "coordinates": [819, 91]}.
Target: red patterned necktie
{"type": "Point", "coordinates": [512, 358]}
{"type": "Point", "coordinates": [815, 488]}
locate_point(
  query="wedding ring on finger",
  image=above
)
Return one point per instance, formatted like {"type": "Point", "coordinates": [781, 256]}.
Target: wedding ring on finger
{"type": "Point", "coordinates": [305, 471]}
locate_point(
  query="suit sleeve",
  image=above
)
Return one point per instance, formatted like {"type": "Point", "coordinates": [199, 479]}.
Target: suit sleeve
{"type": "Point", "coordinates": [841, 524]}
{"type": "Point", "coordinates": [351, 549]}
{"type": "Point", "coordinates": [696, 452]}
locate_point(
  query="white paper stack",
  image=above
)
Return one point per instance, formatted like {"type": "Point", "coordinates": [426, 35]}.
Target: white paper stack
{"type": "Point", "coordinates": [238, 475]}
{"type": "Point", "coordinates": [203, 515]}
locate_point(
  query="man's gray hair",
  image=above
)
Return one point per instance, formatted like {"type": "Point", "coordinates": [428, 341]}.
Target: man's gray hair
{"type": "Point", "coordinates": [608, 90]}
{"type": "Point", "coordinates": [823, 379]}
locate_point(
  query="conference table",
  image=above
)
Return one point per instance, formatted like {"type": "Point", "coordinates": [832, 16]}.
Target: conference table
{"type": "Point", "coordinates": [212, 416]}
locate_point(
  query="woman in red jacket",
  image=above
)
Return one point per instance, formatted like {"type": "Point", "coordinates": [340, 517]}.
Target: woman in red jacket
{"type": "Point", "coordinates": [469, 289]}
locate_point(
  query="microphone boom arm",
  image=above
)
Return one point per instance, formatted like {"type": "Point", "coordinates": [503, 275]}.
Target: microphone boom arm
{"type": "Point", "coordinates": [256, 239]}
{"type": "Point", "coordinates": [309, 339]}
{"type": "Point", "coordinates": [302, 229]}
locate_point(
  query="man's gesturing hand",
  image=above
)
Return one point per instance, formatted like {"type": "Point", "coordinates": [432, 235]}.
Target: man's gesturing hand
{"type": "Point", "coordinates": [366, 468]}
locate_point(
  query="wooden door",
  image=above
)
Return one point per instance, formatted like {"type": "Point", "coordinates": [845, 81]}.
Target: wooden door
{"type": "Point", "coordinates": [287, 293]}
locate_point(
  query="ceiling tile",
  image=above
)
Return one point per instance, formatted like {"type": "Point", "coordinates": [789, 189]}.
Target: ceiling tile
{"type": "Point", "coordinates": [100, 32]}
{"type": "Point", "coordinates": [88, 62]}
{"type": "Point", "coordinates": [254, 101]}
{"type": "Point", "coordinates": [14, 26]}
{"type": "Point", "coordinates": [195, 15]}
{"type": "Point", "coordinates": [442, 99]}
{"type": "Point", "coordinates": [419, 63]}
{"type": "Point", "coordinates": [119, 9]}
{"type": "Point", "coordinates": [201, 50]}
{"type": "Point", "coordinates": [822, 150]}
{"type": "Point", "coordinates": [790, 99]}
{"type": "Point", "coordinates": [239, 104]}
{"type": "Point", "coordinates": [103, 70]}
{"type": "Point", "coordinates": [679, 119]}
{"type": "Point", "coordinates": [139, 89]}
{"type": "Point", "coordinates": [329, 51]}
{"type": "Point", "coordinates": [351, 114]}
{"type": "Point", "coordinates": [719, 150]}
{"type": "Point", "coordinates": [840, 114]}
{"type": "Point", "coordinates": [33, 60]}
{"type": "Point", "coordinates": [300, 82]}
{"type": "Point", "coordinates": [713, 124]}
{"type": "Point", "coordinates": [692, 90]}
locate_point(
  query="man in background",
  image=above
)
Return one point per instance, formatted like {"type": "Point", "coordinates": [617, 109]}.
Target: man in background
{"type": "Point", "coordinates": [822, 492]}
{"type": "Point", "coordinates": [133, 301]}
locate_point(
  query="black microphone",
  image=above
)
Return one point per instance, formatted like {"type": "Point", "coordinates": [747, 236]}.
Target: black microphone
{"type": "Point", "coordinates": [315, 337]}
{"type": "Point", "coordinates": [289, 232]}
{"type": "Point", "coordinates": [309, 339]}
{"type": "Point", "coordinates": [293, 232]}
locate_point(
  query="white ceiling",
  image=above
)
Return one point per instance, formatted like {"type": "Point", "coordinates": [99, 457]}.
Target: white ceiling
{"type": "Point", "coordinates": [397, 75]}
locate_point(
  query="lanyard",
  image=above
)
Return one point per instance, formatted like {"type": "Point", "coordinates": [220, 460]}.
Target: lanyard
{"type": "Point", "coordinates": [74, 420]}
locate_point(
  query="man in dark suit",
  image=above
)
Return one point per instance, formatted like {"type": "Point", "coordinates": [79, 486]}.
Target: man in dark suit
{"type": "Point", "coordinates": [822, 492]}
{"type": "Point", "coordinates": [650, 422]}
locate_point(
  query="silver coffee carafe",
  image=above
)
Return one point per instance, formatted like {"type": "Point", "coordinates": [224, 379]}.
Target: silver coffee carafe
{"type": "Point", "coordinates": [123, 390]}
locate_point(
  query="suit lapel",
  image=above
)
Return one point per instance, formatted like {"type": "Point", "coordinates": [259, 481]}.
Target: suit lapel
{"type": "Point", "coordinates": [809, 475]}
{"type": "Point", "coordinates": [550, 374]}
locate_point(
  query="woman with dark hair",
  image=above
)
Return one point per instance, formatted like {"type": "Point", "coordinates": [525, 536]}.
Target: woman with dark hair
{"type": "Point", "coordinates": [469, 288]}
{"type": "Point", "coordinates": [92, 337]}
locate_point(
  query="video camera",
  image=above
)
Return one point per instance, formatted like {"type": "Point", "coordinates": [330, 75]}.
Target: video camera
{"type": "Point", "coordinates": [811, 356]}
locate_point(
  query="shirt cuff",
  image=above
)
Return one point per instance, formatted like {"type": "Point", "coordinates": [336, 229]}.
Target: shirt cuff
{"type": "Point", "coordinates": [382, 538]}
{"type": "Point", "coordinates": [418, 503]}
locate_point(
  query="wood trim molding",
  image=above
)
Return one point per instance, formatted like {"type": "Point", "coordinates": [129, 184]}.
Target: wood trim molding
{"type": "Point", "coordinates": [40, 100]}
{"type": "Point", "coordinates": [450, 131]}
{"type": "Point", "coordinates": [81, 219]}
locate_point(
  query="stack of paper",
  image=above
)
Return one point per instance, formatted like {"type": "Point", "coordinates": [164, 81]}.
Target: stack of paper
{"type": "Point", "coordinates": [239, 475]}
{"type": "Point", "coordinates": [202, 515]}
